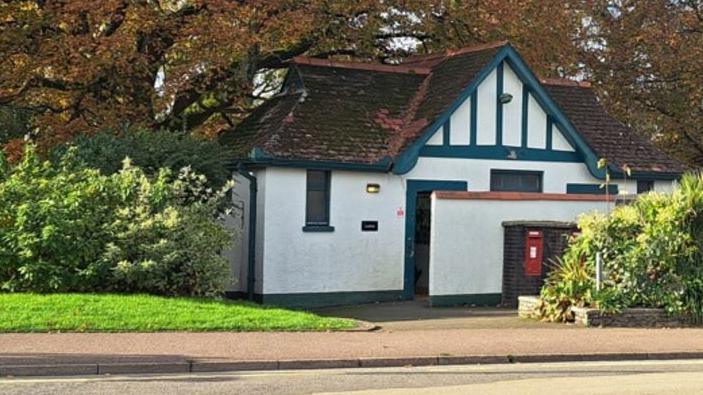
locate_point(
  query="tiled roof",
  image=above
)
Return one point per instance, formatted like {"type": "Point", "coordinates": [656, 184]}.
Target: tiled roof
{"type": "Point", "coordinates": [610, 139]}
{"type": "Point", "coordinates": [358, 113]}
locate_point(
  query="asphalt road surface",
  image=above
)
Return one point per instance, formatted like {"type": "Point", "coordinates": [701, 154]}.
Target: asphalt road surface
{"type": "Point", "coordinates": [645, 377]}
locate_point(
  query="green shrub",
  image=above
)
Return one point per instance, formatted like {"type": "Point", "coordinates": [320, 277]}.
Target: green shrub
{"type": "Point", "coordinates": [151, 151]}
{"type": "Point", "coordinates": [65, 227]}
{"type": "Point", "coordinates": [652, 257]}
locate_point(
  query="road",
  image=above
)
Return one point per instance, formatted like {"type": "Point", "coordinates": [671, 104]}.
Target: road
{"type": "Point", "coordinates": [645, 377]}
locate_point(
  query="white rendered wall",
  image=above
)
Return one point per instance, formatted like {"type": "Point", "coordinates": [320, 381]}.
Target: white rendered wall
{"type": "Point", "coordinates": [477, 172]}
{"type": "Point", "coordinates": [663, 186]}
{"type": "Point", "coordinates": [289, 260]}
{"type": "Point", "coordinates": [512, 111]}
{"type": "Point", "coordinates": [466, 250]}
{"type": "Point", "coordinates": [346, 259]}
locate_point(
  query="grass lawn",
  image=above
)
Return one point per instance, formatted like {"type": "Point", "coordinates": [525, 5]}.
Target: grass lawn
{"type": "Point", "coordinates": [24, 312]}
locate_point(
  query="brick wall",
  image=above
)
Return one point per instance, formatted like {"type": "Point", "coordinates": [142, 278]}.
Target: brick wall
{"type": "Point", "coordinates": [515, 282]}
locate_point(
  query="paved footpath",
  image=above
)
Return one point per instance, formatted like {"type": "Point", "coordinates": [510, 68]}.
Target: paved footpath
{"type": "Point", "coordinates": [98, 353]}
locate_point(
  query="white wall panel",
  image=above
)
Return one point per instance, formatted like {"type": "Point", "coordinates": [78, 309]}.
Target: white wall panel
{"type": "Point", "coordinates": [512, 112]}
{"type": "Point", "coordinates": [536, 125]}
{"type": "Point", "coordinates": [461, 124]}
{"type": "Point", "coordinates": [559, 142]}
{"type": "Point", "coordinates": [487, 99]}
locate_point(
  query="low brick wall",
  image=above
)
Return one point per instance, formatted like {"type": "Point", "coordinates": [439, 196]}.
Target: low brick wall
{"type": "Point", "coordinates": [527, 306]}
{"type": "Point", "coordinates": [628, 318]}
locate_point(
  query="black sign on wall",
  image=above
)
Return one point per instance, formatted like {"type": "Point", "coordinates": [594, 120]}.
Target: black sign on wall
{"type": "Point", "coordinates": [369, 226]}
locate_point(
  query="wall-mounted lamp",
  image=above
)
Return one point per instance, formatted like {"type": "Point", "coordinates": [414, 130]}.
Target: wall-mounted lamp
{"type": "Point", "coordinates": [505, 98]}
{"type": "Point", "coordinates": [373, 188]}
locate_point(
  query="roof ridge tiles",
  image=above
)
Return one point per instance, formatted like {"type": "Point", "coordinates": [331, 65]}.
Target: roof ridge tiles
{"type": "Point", "coordinates": [421, 58]}
{"type": "Point", "coordinates": [303, 60]}
{"type": "Point", "coordinates": [476, 48]}
{"type": "Point", "coordinates": [565, 82]}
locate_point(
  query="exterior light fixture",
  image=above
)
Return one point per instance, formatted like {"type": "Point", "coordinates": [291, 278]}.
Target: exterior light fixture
{"type": "Point", "coordinates": [373, 188]}
{"type": "Point", "coordinates": [505, 98]}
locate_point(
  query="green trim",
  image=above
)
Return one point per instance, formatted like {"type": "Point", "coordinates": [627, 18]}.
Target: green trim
{"type": "Point", "coordinates": [550, 133]}
{"type": "Point", "coordinates": [474, 118]}
{"type": "Point", "coordinates": [411, 191]}
{"type": "Point", "coordinates": [326, 299]}
{"type": "Point", "coordinates": [525, 111]}
{"type": "Point", "coordinates": [591, 189]}
{"type": "Point", "coordinates": [446, 132]}
{"type": "Point", "coordinates": [492, 299]}
{"type": "Point", "coordinates": [318, 228]}
{"type": "Point", "coordinates": [499, 153]}
{"type": "Point", "coordinates": [648, 176]}
{"type": "Point", "coordinates": [499, 105]}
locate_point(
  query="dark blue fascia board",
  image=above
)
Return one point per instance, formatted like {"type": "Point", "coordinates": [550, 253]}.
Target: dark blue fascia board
{"type": "Point", "coordinates": [446, 132]}
{"type": "Point", "coordinates": [499, 152]}
{"type": "Point", "coordinates": [591, 189]}
{"type": "Point", "coordinates": [318, 228]}
{"type": "Point", "coordinates": [499, 105]}
{"type": "Point", "coordinates": [662, 176]}
{"type": "Point", "coordinates": [525, 113]}
{"type": "Point", "coordinates": [473, 132]}
{"type": "Point", "coordinates": [259, 157]}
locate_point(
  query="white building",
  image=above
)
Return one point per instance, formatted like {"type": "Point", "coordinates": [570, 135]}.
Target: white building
{"type": "Point", "coordinates": [374, 182]}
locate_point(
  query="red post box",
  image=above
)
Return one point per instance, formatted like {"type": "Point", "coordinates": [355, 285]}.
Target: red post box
{"type": "Point", "coordinates": [533, 253]}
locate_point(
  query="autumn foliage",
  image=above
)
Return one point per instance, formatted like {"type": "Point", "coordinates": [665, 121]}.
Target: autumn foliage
{"type": "Point", "coordinates": [81, 66]}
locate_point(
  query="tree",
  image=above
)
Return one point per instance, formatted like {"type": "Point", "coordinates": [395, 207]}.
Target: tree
{"type": "Point", "coordinates": [645, 59]}
{"type": "Point", "coordinates": [192, 64]}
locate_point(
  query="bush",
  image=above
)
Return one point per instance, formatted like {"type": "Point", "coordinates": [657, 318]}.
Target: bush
{"type": "Point", "coordinates": [65, 227]}
{"type": "Point", "coordinates": [652, 257]}
{"type": "Point", "coordinates": [151, 151]}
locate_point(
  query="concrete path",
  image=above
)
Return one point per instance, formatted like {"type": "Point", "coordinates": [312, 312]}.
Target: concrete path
{"type": "Point", "coordinates": [417, 315]}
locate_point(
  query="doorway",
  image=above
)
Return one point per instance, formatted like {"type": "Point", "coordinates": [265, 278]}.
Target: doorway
{"type": "Point", "coordinates": [423, 218]}
{"type": "Point", "coordinates": [414, 189]}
